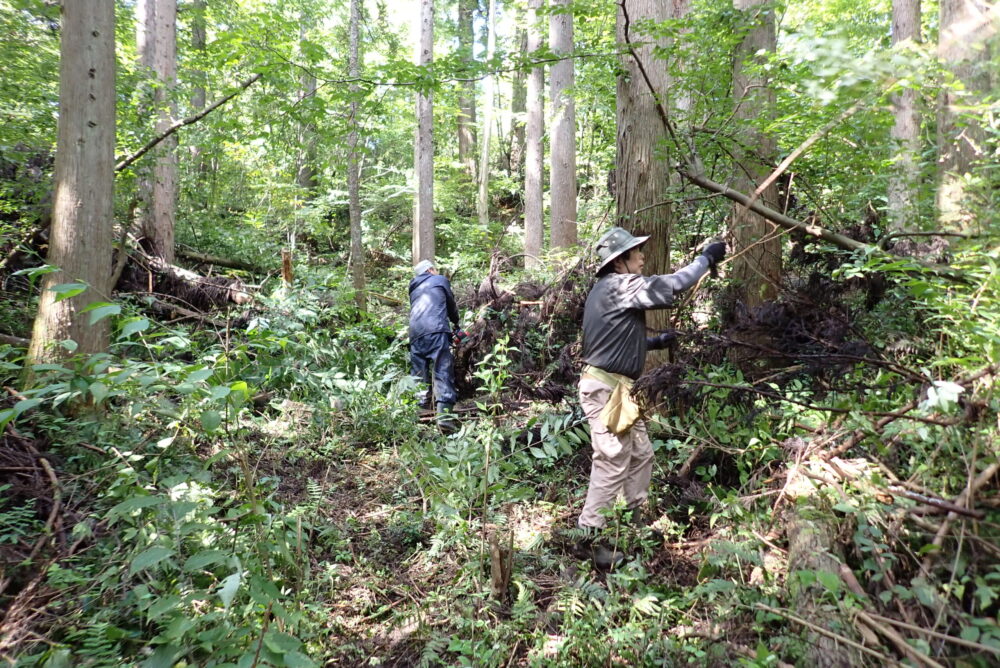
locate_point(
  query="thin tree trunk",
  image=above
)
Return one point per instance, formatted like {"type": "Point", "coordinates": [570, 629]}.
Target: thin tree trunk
{"type": "Point", "coordinates": [467, 97]}
{"type": "Point", "coordinates": [534, 154]}
{"type": "Point", "coordinates": [198, 92]}
{"type": "Point", "coordinates": [757, 267]}
{"type": "Point", "coordinates": [305, 172]}
{"type": "Point", "coordinates": [423, 219]}
{"type": "Point", "coordinates": [482, 200]}
{"type": "Point", "coordinates": [905, 176]}
{"type": "Point", "coordinates": [518, 105]}
{"type": "Point", "coordinates": [357, 263]}
{"type": "Point", "coordinates": [158, 52]}
{"type": "Point", "coordinates": [562, 187]}
{"type": "Point", "coordinates": [965, 27]}
{"type": "Point", "coordinates": [82, 211]}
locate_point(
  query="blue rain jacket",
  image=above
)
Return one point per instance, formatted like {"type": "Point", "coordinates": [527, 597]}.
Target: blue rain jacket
{"type": "Point", "coordinates": [432, 306]}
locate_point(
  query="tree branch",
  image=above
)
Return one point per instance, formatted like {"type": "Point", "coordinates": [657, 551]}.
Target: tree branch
{"type": "Point", "coordinates": [125, 162]}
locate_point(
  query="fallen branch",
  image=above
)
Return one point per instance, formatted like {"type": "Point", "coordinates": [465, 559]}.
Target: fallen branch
{"type": "Point", "coordinates": [936, 634]}
{"type": "Point", "coordinates": [789, 223]}
{"type": "Point", "coordinates": [194, 118]}
{"type": "Point", "coordinates": [15, 340]}
{"type": "Point", "coordinates": [205, 258]}
{"type": "Point", "coordinates": [887, 660]}
{"type": "Point", "coordinates": [973, 486]}
{"type": "Point", "coordinates": [899, 641]}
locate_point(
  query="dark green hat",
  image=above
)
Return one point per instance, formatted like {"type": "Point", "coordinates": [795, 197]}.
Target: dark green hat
{"type": "Point", "coordinates": [615, 242]}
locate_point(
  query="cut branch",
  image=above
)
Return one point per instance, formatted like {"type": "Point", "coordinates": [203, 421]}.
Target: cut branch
{"type": "Point", "coordinates": [698, 178]}
{"type": "Point", "coordinates": [194, 118]}
{"type": "Point", "coordinates": [205, 258]}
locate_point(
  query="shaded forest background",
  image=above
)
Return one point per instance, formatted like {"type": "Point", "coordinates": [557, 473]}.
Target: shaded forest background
{"type": "Point", "coordinates": [211, 454]}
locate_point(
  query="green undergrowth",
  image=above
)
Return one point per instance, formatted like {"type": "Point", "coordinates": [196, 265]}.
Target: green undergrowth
{"type": "Point", "coordinates": [269, 496]}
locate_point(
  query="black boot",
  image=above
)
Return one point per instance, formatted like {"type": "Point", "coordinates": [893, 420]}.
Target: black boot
{"type": "Point", "coordinates": [605, 557]}
{"type": "Point", "coordinates": [446, 419]}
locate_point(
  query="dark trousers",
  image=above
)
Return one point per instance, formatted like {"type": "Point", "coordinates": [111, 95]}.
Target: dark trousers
{"type": "Point", "coordinates": [431, 355]}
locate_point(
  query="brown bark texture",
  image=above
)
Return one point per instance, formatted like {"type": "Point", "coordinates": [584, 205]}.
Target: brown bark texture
{"type": "Point", "coordinates": [82, 212]}
{"type": "Point", "coordinates": [966, 32]}
{"type": "Point", "coordinates": [157, 45]}
{"type": "Point", "coordinates": [423, 219]}
{"type": "Point", "coordinates": [562, 179]}
{"type": "Point", "coordinates": [534, 154]}
{"type": "Point", "coordinates": [905, 177]}
{"type": "Point", "coordinates": [357, 259]}
{"type": "Point", "coordinates": [467, 96]}
{"type": "Point", "coordinates": [756, 266]}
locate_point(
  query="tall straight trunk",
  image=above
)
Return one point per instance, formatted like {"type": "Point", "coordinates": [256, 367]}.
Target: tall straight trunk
{"type": "Point", "coordinates": [518, 105]}
{"type": "Point", "coordinates": [482, 200]}
{"type": "Point", "coordinates": [467, 96]}
{"type": "Point", "coordinates": [562, 177]}
{"type": "Point", "coordinates": [757, 268]}
{"type": "Point", "coordinates": [198, 93]}
{"type": "Point", "coordinates": [305, 172]}
{"type": "Point", "coordinates": [534, 153]}
{"type": "Point", "coordinates": [905, 176]}
{"type": "Point", "coordinates": [423, 218]}
{"type": "Point", "coordinates": [963, 47]}
{"type": "Point", "coordinates": [157, 45]}
{"type": "Point", "coordinates": [82, 209]}
{"type": "Point", "coordinates": [357, 258]}
{"type": "Point", "coordinates": [642, 169]}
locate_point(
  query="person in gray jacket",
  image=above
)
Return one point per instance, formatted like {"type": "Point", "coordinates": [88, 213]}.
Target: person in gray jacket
{"type": "Point", "coordinates": [614, 351]}
{"type": "Point", "coordinates": [433, 316]}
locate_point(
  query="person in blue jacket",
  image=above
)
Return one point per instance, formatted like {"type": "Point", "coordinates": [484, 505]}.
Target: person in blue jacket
{"type": "Point", "coordinates": [433, 317]}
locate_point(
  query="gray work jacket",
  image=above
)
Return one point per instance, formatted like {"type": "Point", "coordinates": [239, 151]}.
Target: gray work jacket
{"type": "Point", "coordinates": [614, 317]}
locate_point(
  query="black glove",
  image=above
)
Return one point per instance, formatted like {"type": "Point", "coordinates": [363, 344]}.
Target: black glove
{"type": "Point", "coordinates": [714, 252]}
{"type": "Point", "coordinates": [661, 341]}
{"type": "Point", "coordinates": [459, 335]}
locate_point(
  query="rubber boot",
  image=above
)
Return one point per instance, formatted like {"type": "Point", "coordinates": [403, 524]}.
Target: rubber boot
{"type": "Point", "coordinates": [446, 419]}
{"type": "Point", "coordinates": [605, 557]}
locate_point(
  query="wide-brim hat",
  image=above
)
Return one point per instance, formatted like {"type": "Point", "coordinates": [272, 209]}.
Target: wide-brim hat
{"type": "Point", "coordinates": [614, 243]}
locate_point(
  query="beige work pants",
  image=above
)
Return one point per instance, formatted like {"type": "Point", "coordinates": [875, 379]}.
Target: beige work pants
{"type": "Point", "coordinates": [622, 463]}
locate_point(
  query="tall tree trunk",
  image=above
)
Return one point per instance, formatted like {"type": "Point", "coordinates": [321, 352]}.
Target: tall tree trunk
{"type": "Point", "coordinates": [198, 92]}
{"type": "Point", "coordinates": [482, 200]}
{"type": "Point", "coordinates": [905, 176]}
{"type": "Point", "coordinates": [757, 268]}
{"type": "Point", "coordinates": [357, 258]}
{"type": "Point", "coordinates": [518, 106]}
{"type": "Point", "coordinates": [642, 169]}
{"type": "Point", "coordinates": [305, 172]}
{"type": "Point", "coordinates": [82, 210]}
{"type": "Point", "coordinates": [423, 219]}
{"type": "Point", "coordinates": [467, 97]}
{"type": "Point", "coordinates": [965, 27]}
{"type": "Point", "coordinates": [157, 45]}
{"type": "Point", "coordinates": [534, 153]}
{"type": "Point", "coordinates": [562, 179]}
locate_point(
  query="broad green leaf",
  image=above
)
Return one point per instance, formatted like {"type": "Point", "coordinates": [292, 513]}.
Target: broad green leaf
{"type": "Point", "coordinates": [101, 310]}
{"type": "Point", "coordinates": [99, 391]}
{"type": "Point", "coordinates": [150, 558]}
{"type": "Point", "coordinates": [132, 326]}
{"type": "Point", "coordinates": [228, 588]}
{"type": "Point", "coordinates": [210, 420]}
{"type": "Point", "coordinates": [163, 657]}
{"type": "Point", "coordinates": [25, 405]}
{"type": "Point", "coordinates": [68, 290]}
{"type": "Point", "coordinates": [281, 642]}
{"type": "Point", "coordinates": [163, 605]}
{"type": "Point", "coordinates": [199, 375]}
{"type": "Point", "coordinates": [199, 561]}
